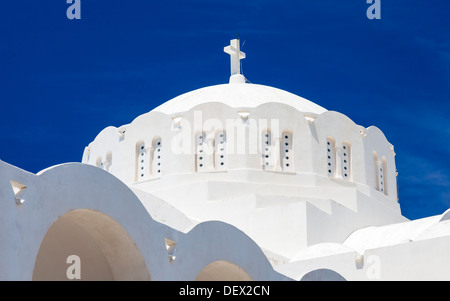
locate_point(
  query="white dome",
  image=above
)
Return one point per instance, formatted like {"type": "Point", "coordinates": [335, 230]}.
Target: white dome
{"type": "Point", "coordinates": [238, 96]}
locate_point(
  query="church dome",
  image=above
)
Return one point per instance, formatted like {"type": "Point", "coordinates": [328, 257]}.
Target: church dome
{"type": "Point", "coordinates": [238, 95]}
{"type": "Point", "coordinates": [233, 152]}
{"type": "Point", "coordinates": [243, 132]}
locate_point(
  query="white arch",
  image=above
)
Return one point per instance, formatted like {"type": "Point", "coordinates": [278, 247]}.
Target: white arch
{"type": "Point", "coordinates": [222, 270]}
{"type": "Point", "coordinates": [104, 248]}
{"type": "Point", "coordinates": [322, 275]}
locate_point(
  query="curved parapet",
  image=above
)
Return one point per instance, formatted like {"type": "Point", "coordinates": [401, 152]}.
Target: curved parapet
{"type": "Point", "coordinates": [216, 250]}
{"type": "Point", "coordinates": [69, 199]}
{"type": "Point", "coordinates": [77, 216]}
{"type": "Point", "coordinates": [339, 151]}
{"type": "Point", "coordinates": [214, 137]}
{"type": "Point", "coordinates": [380, 163]}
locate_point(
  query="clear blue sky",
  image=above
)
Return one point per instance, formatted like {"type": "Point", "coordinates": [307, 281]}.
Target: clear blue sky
{"type": "Point", "coordinates": [63, 81]}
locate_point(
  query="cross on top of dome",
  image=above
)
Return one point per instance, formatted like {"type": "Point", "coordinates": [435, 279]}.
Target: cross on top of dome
{"type": "Point", "coordinates": [236, 55]}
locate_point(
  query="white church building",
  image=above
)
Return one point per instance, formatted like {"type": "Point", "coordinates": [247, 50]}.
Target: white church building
{"type": "Point", "coordinates": [236, 181]}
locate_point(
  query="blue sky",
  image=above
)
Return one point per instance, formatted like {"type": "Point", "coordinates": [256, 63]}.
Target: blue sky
{"type": "Point", "coordinates": [63, 81]}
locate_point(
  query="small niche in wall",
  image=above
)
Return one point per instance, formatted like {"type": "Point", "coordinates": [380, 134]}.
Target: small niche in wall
{"type": "Point", "coordinates": [18, 189]}
{"type": "Point", "coordinates": [108, 162]}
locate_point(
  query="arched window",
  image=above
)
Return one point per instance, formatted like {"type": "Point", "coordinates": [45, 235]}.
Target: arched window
{"type": "Point", "coordinates": [266, 147]}
{"type": "Point", "coordinates": [142, 162]}
{"type": "Point", "coordinates": [380, 173]}
{"type": "Point", "coordinates": [157, 161]}
{"type": "Point", "coordinates": [201, 152]}
{"type": "Point", "coordinates": [220, 152]}
{"type": "Point", "coordinates": [377, 171]}
{"type": "Point", "coordinates": [286, 152]}
{"type": "Point", "coordinates": [345, 161]}
{"type": "Point", "coordinates": [331, 157]}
